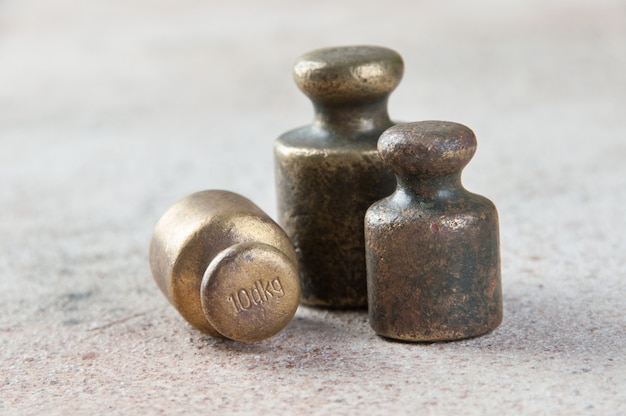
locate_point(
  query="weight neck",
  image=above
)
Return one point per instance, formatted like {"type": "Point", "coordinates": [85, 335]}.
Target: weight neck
{"type": "Point", "coordinates": [353, 119]}
{"type": "Point", "coordinates": [419, 188]}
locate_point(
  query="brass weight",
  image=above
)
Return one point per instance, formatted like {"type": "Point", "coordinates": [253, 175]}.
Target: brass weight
{"type": "Point", "coordinates": [329, 172]}
{"type": "Point", "coordinates": [227, 268]}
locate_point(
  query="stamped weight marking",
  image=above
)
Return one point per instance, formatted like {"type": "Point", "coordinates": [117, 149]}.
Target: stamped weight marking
{"type": "Point", "coordinates": [260, 293]}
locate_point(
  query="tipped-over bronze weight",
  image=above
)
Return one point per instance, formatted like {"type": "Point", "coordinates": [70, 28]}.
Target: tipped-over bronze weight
{"type": "Point", "coordinates": [433, 255]}
{"type": "Point", "coordinates": [227, 268]}
{"type": "Point", "coordinates": [328, 173]}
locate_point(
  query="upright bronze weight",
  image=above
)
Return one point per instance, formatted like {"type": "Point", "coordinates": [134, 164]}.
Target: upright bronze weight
{"type": "Point", "coordinates": [328, 173]}
{"type": "Point", "coordinates": [433, 252]}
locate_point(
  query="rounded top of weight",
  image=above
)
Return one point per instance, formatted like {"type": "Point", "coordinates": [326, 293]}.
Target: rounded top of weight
{"type": "Point", "coordinates": [427, 148]}
{"type": "Point", "coordinates": [250, 291]}
{"type": "Point", "coordinates": [348, 74]}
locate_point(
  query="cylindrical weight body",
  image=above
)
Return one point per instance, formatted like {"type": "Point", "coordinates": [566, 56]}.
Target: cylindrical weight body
{"type": "Point", "coordinates": [226, 267]}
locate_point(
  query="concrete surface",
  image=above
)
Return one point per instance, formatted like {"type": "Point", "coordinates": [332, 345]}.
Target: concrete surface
{"type": "Point", "coordinates": [112, 110]}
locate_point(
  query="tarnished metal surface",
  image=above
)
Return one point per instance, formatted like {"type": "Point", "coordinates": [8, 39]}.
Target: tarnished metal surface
{"type": "Point", "coordinates": [329, 172]}
{"type": "Point", "coordinates": [433, 255]}
{"type": "Point", "coordinates": [226, 266]}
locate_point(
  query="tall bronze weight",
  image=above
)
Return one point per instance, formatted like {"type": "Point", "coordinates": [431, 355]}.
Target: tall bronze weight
{"type": "Point", "coordinates": [433, 252]}
{"type": "Point", "coordinates": [329, 172]}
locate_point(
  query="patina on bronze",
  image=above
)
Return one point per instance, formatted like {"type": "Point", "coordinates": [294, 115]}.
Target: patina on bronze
{"type": "Point", "coordinates": [328, 173]}
{"type": "Point", "coordinates": [433, 253]}
{"type": "Point", "coordinates": [225, 266]}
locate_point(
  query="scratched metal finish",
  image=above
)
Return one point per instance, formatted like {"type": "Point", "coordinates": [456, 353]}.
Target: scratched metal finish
{"type": "Point", "coordinates": [433, 253]}
{"type": "Point", "coordinates": [329, 172]}
{"type": "Point", "coordinates": [226, 267]}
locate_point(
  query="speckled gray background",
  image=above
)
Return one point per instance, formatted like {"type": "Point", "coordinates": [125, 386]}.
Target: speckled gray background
{"type": "Point", "coordinates": [112, 110]}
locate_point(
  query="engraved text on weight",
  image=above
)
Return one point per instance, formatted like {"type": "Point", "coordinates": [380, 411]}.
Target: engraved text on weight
{"type": "Point", "coordinates": [260, 293]}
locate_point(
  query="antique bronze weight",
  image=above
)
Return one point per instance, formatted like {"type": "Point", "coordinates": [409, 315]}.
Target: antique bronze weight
{"type": "Point", "coordinates": [433, 256]}
{"type": "Point", "coordinates": [229, 270]}
{"type": "Point", "coordinates": [328, 173]}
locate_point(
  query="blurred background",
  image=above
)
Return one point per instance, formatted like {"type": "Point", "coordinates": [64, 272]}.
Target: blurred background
{"type": "Point", "coordinates": [193, 78]}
